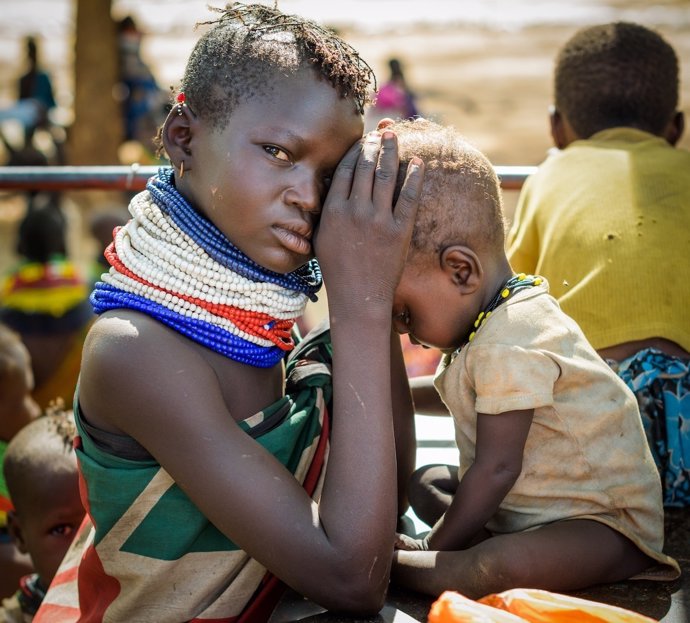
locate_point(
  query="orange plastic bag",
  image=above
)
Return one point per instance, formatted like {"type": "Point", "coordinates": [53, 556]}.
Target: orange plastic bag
{"type": "Point", "coordinates": [524, 605]}
{"type": "Point", "coordinates": [453, 607]}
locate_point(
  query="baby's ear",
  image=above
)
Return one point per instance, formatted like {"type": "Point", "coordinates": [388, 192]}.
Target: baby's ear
{"type": "Point", "coordinates": [14, 529]}
{"type": "Point", "coordinates": [463, 266]}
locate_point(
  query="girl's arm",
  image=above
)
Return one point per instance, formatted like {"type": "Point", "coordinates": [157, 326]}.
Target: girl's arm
{"type": "Point", "coordinates": [403, 422]}
{"type": "Point", "coordinates": [362, 246]}
{"type": "Point", "coordinates": [498, 462]}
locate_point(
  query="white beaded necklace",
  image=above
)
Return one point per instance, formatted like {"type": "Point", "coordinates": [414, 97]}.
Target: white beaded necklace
{"type": "Point", "coordinates": [152, 258]}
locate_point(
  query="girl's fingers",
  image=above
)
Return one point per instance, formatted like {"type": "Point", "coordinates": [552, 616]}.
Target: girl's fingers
{"type": "Point", "coordinates": [341, 184]}
{"type": "Point", "coordinates": [384, 123]}
{"type": "Point", "coordinates": [386, 171]}
{"type": "Point", "coordinates": [408, 201]}
{"type": "Point", "coordinates": [363, 181]}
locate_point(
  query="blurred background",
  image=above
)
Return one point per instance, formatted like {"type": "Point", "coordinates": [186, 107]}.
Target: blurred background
{"type": "Point", "coordinates": [482, 65]}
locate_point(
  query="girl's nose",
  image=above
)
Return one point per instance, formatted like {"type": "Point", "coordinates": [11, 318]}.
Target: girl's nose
{"type": "Point", "coordinates": [305, 193]}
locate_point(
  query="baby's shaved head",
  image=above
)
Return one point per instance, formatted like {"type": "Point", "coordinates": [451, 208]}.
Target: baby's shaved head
{"type": "Point", "coordinates": [461, 197]}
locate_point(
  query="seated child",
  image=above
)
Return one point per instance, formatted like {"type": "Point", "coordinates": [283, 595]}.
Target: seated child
{"type": "Point", "coordinates": [45, 299]}
{"type": "Point", "coordinates": [556, 487]}
{"type": "Point", "coordinates": [40, 468]}
{"type": "Point", "coordinates": [605, 220]}
{"type": "Point", "coordinates": [17, 408]}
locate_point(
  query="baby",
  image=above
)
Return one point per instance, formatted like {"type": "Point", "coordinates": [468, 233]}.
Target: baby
{"type": "Point", "coordinates": [556, 487]}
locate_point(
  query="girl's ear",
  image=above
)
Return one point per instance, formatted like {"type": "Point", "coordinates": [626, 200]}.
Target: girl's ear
{"type": "Point", "coordinates": [15, 531]}
{"type": "Point", "coordinates": [463, 266]}
{"type": "Point", "coordinates": [177, 133]}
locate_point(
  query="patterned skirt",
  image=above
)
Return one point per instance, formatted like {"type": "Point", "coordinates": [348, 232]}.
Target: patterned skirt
{"type": "Point", "coordinates": [661, 384]}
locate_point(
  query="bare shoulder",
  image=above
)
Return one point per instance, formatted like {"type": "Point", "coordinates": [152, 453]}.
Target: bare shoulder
{"type": "Point", "coordinates": [130, 360]}
{"type": "Point", "coordinates": [124, 336]}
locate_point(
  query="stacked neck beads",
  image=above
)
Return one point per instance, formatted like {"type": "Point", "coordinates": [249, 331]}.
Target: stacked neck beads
{"type": "Point", "coordinates": [173, 264]}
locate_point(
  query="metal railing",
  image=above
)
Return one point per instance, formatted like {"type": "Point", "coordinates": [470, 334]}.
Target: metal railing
{"type": "Point", "coordinates": [134, 177]}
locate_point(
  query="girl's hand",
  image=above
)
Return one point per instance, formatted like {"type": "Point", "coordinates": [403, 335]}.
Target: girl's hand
{"type": "Point", "coordinates": [363, 236]}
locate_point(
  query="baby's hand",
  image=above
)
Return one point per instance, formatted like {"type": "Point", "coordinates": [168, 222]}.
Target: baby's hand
{"type": "Point", "coordinates": [402, 541]}
{"type": "Point", "coordinates": [363, 236]}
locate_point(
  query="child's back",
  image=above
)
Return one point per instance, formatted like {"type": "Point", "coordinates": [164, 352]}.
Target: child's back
{"type": "Point", "coordinates": [605, 219]}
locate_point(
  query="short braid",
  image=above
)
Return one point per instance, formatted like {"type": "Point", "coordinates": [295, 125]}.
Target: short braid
{"type": "Point", "coordinates": [249, 42]}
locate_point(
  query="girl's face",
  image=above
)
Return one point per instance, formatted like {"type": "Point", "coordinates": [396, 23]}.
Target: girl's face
{"type": "Point", "coordinates": [262, 179]}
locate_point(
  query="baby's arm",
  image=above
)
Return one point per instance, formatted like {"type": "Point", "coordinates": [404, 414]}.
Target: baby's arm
{"type": "Point", "coordinates": [497, 465]}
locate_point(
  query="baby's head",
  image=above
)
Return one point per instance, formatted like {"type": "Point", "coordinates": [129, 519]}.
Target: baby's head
{"type": "Point", "coordinates": [457, 249]}
{"type": "Point", "coordinates": [461, 197]}
{"type": "Point", "coordinates": [617, 75]}
{"type": "Point", "coordinates": [40, 469]}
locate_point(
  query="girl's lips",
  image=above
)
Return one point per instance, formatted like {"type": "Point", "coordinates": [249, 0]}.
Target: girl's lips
{"type": "Point", "coordinates": [294, 241]}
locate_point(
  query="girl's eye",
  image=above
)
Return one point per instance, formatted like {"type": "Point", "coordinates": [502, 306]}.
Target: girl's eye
{"type": "Point", "coordinates": [277, 152]}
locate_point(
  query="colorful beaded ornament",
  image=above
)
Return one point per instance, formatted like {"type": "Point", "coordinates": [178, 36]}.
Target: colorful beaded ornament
{"type": "Point", "coordinates": [173, 264]}
{"type": "Point", "coordinates": [515, 284]}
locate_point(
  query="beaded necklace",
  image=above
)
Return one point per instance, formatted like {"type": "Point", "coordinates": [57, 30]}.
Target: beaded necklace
{"type": "Point", "coordinates": [171, 263]}
{"type": "Point", "coordinates": [515, 284]}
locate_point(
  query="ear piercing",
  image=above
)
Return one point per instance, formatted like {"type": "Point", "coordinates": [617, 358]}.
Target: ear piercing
{"type": "Point", "coordinates": [180, 99]}
{"type": "Point", "coordinates": [181, 169]}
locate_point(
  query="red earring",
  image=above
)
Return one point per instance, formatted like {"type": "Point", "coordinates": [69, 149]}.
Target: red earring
{"type": "Point", "coordinates": [180, 99]}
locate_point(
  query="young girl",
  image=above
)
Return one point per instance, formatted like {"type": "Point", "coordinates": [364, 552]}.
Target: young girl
{"type": "Point", "coordinates": [203, 455]}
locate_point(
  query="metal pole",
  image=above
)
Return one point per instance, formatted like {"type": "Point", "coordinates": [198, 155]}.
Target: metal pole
{"type": "Point", "coordinates": [133, 178]}
{"type": "Point", "coordinates": [76, 178]}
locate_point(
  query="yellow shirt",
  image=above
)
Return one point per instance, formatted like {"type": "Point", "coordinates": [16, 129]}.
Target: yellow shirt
{"type": "Point", "coordinates": [586, 454]}
{"type": "Point", "coordinates": [607, 222]}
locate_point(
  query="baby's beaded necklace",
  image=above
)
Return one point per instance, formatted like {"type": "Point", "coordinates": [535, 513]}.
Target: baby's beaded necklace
{"type": "Point", "coordinates": [171, 263]}
{"type": "Point", "coordinates": [515, 284]}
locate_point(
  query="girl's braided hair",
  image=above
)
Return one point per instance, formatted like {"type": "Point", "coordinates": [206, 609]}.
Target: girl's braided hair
{"type": "Point", "coordinates": [249, 44]}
